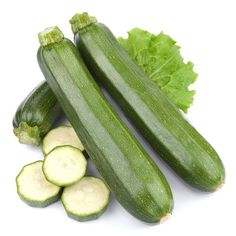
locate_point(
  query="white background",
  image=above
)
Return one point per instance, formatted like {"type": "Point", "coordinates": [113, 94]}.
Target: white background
{"type": "Point", "coordinates": [207, 33]}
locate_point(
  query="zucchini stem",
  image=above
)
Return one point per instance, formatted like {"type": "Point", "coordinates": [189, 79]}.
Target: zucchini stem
{"type": "Point", "coordinates": [164, 218]}
{"type": "Point", "coordinates": [27, 134]}
{"type": "Point", "coordinates": [50, 35]}
{"type": "Point", "coordinates": [80, 21]}
{"type": "Point", "coordinates": [220, 186]}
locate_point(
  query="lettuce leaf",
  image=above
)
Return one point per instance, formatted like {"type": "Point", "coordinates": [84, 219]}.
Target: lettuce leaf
{"type": "Point", "coordinates": [159, 56]}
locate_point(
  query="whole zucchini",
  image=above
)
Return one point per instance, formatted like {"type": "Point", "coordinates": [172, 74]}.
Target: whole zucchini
{"type": "Point", "coordinates": [156, 117]}
{"type": "Point", "coordinates": [129, 172]}
{"type": "Point", "coordinates": [35, 115]}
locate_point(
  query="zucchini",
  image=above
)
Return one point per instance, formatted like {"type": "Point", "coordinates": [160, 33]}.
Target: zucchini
{"type": "Point", "coordinates": [64, 165]}
{"type": "Point", "coordinates": [35, 115]}
{"type": "Point", "coordinates": [34, 189]}
{"type": "Point", "coordinates": [60, 136]}
{"type": "Point", "coordinates": [127, 169]}
{"type": "Point", "coordinates": [153, 114]}
{"type": "Point", "coordinates": [86, 200]}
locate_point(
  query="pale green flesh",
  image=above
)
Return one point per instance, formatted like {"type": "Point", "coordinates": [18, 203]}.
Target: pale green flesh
{"type": "Point", "coordinates": [33, 187]}
{"type": "Point", "coordinates": [60, 136]}
{"type": "Point", "coordinates": [86, 199]}
{"type": "Point", "coordinates": [64, 165]}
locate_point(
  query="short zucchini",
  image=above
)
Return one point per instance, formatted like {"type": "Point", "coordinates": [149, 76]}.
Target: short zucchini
{"type": "Point", "coordinates": [86, 200]}
{"type": "Point", "coordinates": [64, 165]}
{"type": "Point", "coordinates": [127, 169]}
{"type": "Point", "coordinates": [34, 189]}
{"type": "Point", "coordinates": [61, 136]}
{"type": "Point", "coordinates": [155, 116]}
{"type": "Point", "coordinates": [35, 115]}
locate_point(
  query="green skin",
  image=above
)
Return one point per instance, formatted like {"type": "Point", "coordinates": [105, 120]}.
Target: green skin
{"type": "Point", "coordinates": [154, 115]}
{"type": "Point", "coordinates": [82, 218]}
{"type": "Point", "coordinates": [40, 204]}
{"type": "Point", "coordinates": [34, 203]}
{"type": "Point", "coordinates": [93, 216]}
{"type": "Point", "coordinates": [35, 115]}
{"type": "Point", "coordinates": [118, 156]}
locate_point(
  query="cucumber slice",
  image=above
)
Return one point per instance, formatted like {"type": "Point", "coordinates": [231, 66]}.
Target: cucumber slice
{"type": "Point", "coordinates": [61, 136]}
{"type": "Point", "coordinates": [64, 165]}
{"type": "Point", "coordinates": [86, 200]}
{"type": "Point", "coordinates": [33, 188]}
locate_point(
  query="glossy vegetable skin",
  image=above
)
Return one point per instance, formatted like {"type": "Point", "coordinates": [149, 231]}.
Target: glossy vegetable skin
{"type": "Point", "coordinates": [154, 115]}
{"type": "Point", "coordinates": [35, 115]}
{"type": "Point", "coordinates": [128, 171]}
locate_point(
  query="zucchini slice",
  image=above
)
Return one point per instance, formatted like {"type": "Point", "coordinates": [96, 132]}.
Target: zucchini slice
{"type": "Point", "coordinates": [86, 200]}
{"type": "Point", "coordinates": [147, 107]}
{"type": "Point", "coordinates": [128, 170]}
{"type": "Point", "coordinates": [35, 115]}
{"type": "Point", "coordinates": [33, 188]}
{"type": "Point", "coordinates": [61, 136]}
{"type": "Point", "coordinates": [64, 165]}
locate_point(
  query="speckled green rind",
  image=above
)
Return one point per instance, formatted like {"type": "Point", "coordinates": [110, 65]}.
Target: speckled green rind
{"type": "Point", "coordinates": [33, 203]}
{"type": "Point", "coordinates": [85, 218]}
{"type": "Point", "coordinates": [39, 204]}
{"type": "Point", "coordinates": [153, 114]}
{"type": "Point", "coordinates": [35, 115]}
{"type": "Point", "coordinates": [53, 181]}
{"type": "Point", "coordinates": [129, 172]}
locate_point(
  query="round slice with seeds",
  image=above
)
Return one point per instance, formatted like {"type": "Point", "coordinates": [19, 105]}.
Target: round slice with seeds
{"type": "Point", "coordinates": [33, 187]}
{"type": "Point", "coordinates": [64, 165]}
{"type": "Point", "coordinates": [86, 200]}
{"type": "Point", "coordinates": [61, 136]}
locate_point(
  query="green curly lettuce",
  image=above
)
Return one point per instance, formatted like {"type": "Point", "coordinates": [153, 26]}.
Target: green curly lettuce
{"type": "Point", "coordinates": [159, 56]}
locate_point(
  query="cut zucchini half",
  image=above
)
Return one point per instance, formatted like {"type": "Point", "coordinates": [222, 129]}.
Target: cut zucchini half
{"type": "Point", "coordinates": [61, 136]}
{"type": "Point", "coordinates": [33, 188]}
{"type": "Point", "coordinates": [86, 200]}
{"type": "Point", "coordinates": [64, 165]}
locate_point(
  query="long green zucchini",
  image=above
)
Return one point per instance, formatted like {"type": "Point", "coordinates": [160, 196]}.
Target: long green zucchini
{"type": "Point", "coordinates": [35, 115]}
{"type": "Point", "coordinates": [129, 172]}
{"type": "Point", "coordinates": [156, 117]}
